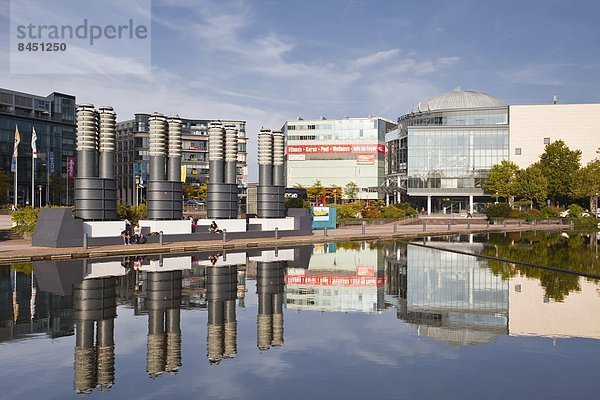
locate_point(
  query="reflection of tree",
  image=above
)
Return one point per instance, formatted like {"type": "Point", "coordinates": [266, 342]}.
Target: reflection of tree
{"type": "Point", "coordinates": [544, 248]}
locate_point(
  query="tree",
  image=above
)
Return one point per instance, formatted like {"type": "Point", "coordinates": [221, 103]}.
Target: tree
{"type": "Point", "coordinates": [334, 192]}
{"type": "Point", "coordinates": [351, 190]}
{"type": "Point", "coordinates": [559, 165]}
{"type": "Point", "coordinates": [316, 190]}
{"type": "Point", "coordinates": [531, 184]}
{"type": "Point", "coordinates": [587, 182]}
{"type": "Point", "coordinates": [501, 181]}
{"type": "Point", "coordinates": [195, 191]}
{"type": "Point", "coordinates": [4, 184]}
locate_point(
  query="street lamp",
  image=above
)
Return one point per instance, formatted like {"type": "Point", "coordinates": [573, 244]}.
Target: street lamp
{"type": "Point", "coordinates": [40, 192]}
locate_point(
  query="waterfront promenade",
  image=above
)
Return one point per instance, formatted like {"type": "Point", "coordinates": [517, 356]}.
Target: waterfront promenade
{"type": "Point", "coordinates": [22, 250]}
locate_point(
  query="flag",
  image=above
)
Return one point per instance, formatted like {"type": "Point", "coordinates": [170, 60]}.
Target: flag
{"type": "Point", "coordinates": [13, 165]}
{"type": "Point", "coordinates": [33, 144]}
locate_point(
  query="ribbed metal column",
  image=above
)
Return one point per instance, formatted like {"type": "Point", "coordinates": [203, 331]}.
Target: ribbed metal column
{"type": "Point", "coordinates": [107, 146]}
{"type": "Point", "coordinates": [222, 195]}
{"type": "Point", "coordinates": [87, 141]}
{"type": "Point", "coordinates": [221, 293]}
{"type": "Point", "coordinates": [174, 149]}
{"type": "Point", "coordinates": [159, 194]}
{"type": "Point", "coordinates": [164, 333]}
{"type": "Point", "coordinates": [271, 189]}
{"type": "Point", "coordinates": [95, 196]}
{"type": "Point", "coordinates": [94, 300]}
{"type": "Point", "coordinates": [270, 284]}
{"type": "Point", "coordinates": [231, 153]}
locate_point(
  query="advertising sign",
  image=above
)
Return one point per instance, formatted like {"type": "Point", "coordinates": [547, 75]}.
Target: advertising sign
{"type": "Point", "coordinates": [365, 159]}
{"type": "Point", "coordinates": [321, 213]}
{"type": "Point", "coordinates": [296, 157]}
{"type": "Point", "coordinates": [333, 149]}
{"type": "Point", "coordinates": [51, 163]}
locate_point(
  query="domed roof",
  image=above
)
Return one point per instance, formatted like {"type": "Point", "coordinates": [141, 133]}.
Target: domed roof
{"type": "Point", "coordinates": [459, 99]}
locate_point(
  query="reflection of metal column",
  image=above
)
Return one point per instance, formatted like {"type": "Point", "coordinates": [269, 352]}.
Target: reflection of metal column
{"type": "Point", "coordinates": [221, 291]}
{"type": "Point", "coordinates": [270, 282]}
{"type": "Point", "coordinates": [164, 332]}
{"type": "Point", "coordinates": [222, 186]}
{"type": "Point", "coordinates": [271, 188]}
{"type": "Point", "coordinates": [94, 300]}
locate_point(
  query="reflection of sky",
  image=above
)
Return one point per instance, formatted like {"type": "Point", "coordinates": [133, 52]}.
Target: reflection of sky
{"type": "Point", "coordinates": [325, 355]}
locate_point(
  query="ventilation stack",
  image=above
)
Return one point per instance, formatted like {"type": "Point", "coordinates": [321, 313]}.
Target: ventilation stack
{"type": "Point", "coordinates": [271, 185]}
{"type": "Point", "coordinates": [163, 295]}
{"type": "Point", "coordinates": [270, 283]}
{"type": "Point", "coordinates": [94, 306]}
{"type": "Point", "coordinates": [95, 185]}
{"type": "Point", "coordinates": [221, 293]}
{"type": "Point", "coordinates": [164, 194]}
{"type": "Point", "coordinates": [222, 185]}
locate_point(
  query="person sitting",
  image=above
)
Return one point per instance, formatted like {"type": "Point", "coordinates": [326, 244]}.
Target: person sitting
{"type": "Point", "coordinates": [138, 237]}
{"type": "Point", "coordinates": [126, 237]}
{"type": "Point", "coordinates": [213, 228]}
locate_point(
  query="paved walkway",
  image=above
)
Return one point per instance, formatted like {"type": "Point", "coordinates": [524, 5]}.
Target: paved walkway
{"type": "Point", "coordinates": [23, 251]}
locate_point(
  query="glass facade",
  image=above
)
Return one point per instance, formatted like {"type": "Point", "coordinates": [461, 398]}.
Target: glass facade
{"type": "Point", "coordinates": [133, 145]}
{"type": "Point", "coordinates": [53, 118]}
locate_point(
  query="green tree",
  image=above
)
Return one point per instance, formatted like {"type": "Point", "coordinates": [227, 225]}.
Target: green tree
{"type": "Point", "coordinates": [532, 185]}
{"type": "Point", "coordinates": [351, 190]}
{"type": "Point", "coordinates": [4, 185]}
{"type": "Point", "coordinates": [315, 191]}
{"type": "Point", "coordinates": [501, 181]}
{"type": "Point", "coordinates": [334, 192]}
{"type": "Point", "coordinates": [587, 182]}
{"type": "Point", "coordinates": [559, 165]}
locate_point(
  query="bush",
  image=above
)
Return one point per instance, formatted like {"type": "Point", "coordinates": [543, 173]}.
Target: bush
{"type": "Point", "coordinates": [576, 210]}
{"type": "Point", "coordinates": [550, 212]}
{"type": "Point", "coordinates": [516, 214]}
{"type": "Point", "coordinates": [372, 212]}
{"type": "Point", "coordinates": [500, 210]}
{"type": "Point", "coordinates": [585, 223]}
{"type": "Point", "coordinates": [533, 214]}
{"type": "Point", "coordinates": [294, 202]}
{"type": "Point", "coordinates": [25, 219]}
{"type": "Point", "coordinates": [132, 213]}
{"type": "Point", "coordinates": [349, 210]}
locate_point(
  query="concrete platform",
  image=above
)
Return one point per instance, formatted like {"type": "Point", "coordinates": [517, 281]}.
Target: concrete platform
{"type": "Point", "coordinates": [22, 251]}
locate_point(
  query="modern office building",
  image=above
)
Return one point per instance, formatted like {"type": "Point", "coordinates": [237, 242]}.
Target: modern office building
{"type": "Point", "coordinates": [443, 150]}
{"type": "Point", "coordinates": [53, 118]}
{"type": "Point", "coordinates": [533, 126]}
{"type": "Point", "coordinates": [338, 152]}
{"type": "Point", "coordinates": [132, 155]}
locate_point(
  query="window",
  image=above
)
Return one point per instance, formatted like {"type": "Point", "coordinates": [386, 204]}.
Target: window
{"type": "Point", "coordinates": [546, 140]}
{"type": "Point", "coordinates": [517, 151]}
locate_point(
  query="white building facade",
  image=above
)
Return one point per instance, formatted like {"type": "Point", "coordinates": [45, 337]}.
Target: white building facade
{"type": "Point", "coordinates": [337, 152]}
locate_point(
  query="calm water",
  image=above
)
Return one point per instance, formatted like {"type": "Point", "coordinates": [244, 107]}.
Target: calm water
{"type": "Point", "coordinates": [352, 320]}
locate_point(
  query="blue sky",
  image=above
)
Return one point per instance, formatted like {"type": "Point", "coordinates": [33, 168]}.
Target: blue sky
{"type": "Point", "coordinates": [269, 61]}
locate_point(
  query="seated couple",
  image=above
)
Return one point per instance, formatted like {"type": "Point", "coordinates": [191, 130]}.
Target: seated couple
{"type": "Point", "coordinates": [213, 228]}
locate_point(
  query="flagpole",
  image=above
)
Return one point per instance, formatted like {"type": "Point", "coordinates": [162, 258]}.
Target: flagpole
{"type": "Point", "coordinates": [33, 181]}
{"type": "Point", "coordinates": [15, 186]}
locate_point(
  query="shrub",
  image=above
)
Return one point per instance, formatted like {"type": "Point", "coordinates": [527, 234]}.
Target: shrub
{"type": "Point", "coordinates": [533, 214]}
{"type": "Point", "coordinates": [372, 212]}
{"type": "Point", "coordinates": [132, 213]}
{"type": "Point", "coordinates": [294, 202]}
{"type": "Point", "coordinates": [516, 214]}
{"type": "Point", "coordinates": [550, 212]}
{"type": "Point", "coordinates": [576, 210]}
{"type": "Point", "coordinates": [500, 210]}
{"type": "Point", "coordinates": [349, 210]}
{"type": "Point", "coordinates": [25, 219]}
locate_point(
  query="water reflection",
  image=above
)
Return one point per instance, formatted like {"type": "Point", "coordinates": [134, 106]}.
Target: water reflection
{"type": "Point", "coordinates": [454, 299]}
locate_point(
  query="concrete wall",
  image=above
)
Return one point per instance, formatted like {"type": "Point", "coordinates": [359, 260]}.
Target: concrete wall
{"type": "Point", "coordinates": [95, 229]}
{"type": "Point", "coordinates": [578, 125]}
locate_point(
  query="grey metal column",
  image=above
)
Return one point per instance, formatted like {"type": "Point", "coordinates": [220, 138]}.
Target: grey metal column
{"type": "Point", "coordinates": [231, 152]}
{"type": "Point", "coordinates": [222, 195]}
{"type": "Point", "coordinates": [107, 118]}
{"type": "Point", "coordinates": [158, 194]}
{"type": "Point", "coordinates": [271, 188]}
{"type": "Point", "coordinates": [174, 167]}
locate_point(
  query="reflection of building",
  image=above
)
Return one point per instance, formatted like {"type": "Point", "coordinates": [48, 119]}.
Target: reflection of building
{"type": "Point", "coordinates": [337, 152]}
{"type": "Point", "coordinates": [453, 297]}
{"type": "Point", "coordinates": [338, 279]}
{"type": "Point", "coordinates": [270, 286]}
{"type": "Point", "coordinates": [221, 294]}
{"type": "Point", "coordinates": [95, 310]}
{"type": "Point", "coordinates": [531, 313]}
{"type": "Point", "coordinates": [163, 294]}
{"type": "Point", "coordinates": [133, 145]}
{"type": "Point", "coordinates": [53, 118]}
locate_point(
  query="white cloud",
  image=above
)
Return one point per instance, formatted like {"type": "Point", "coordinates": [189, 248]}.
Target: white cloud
{"type": "Point", "coordinates": [376, 58]}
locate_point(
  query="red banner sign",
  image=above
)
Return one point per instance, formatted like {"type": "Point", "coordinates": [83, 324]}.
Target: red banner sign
{"type": "Point", "coordinates": [336, 148]}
